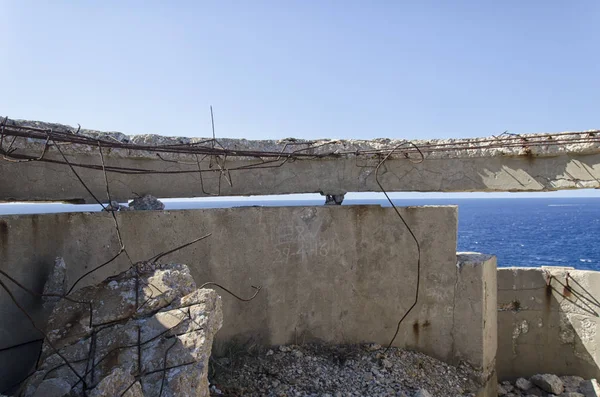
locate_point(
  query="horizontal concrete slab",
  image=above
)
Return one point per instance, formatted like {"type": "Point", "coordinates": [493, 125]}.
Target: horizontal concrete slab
{"type": "Point", "coordinates": [147, 164]}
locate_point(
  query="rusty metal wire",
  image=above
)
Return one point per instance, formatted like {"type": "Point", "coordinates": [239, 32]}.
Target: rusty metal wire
{"type": "Point", "coordinates": [412, 234]}
{"type": "Point", "coordinates": [218, 154]}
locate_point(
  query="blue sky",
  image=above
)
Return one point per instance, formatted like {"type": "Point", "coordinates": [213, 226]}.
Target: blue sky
{"type": "Point", "coordinates": [305, 69]}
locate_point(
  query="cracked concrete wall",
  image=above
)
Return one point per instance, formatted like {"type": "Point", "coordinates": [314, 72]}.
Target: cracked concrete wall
{"type": "Point", "coordinates": [573, 165]}
{"type": "Point", "coordinates": [340, 274]}
{"type": "Point", "coordinates": [546, 324]}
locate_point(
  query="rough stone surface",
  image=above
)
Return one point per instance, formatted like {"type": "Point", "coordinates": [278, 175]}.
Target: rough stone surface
{"type": "Point", "coordinates": [549, 385]}
{"type": "Point", "coordinates": [571, 383]}
{"type": "Point", "coordinates": [53, 388]}
{"type": "Point", "coordinates": [115, 383]}
{"type": "Point", "coordinates": [422, 393]}
{"type": "Point", "coordinates": [146, 203]}
{"type": "Point", "coordinates": [548, 382]}
{"type": "Point", "coordinates": [56, 284]}
{"type": "Point", "coordinates": [523, 384]}
{"type": "Point", "coordinates": [348, 370]}
{"type": "Point", "coordinates": [157, 308]}
{"type": "Point", "coordinates": [590, 388]}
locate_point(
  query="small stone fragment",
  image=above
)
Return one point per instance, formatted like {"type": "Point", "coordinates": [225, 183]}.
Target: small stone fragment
{"type": "Point", "coordinates": [548, 383]}
{"type": "Point", "coordinates": [523, 384]}
{"type": "Point", "coordinates": [334, 199]}
{"type": "Point", "coordinates": [508, 386]}
{"type": "Point", "coordinates": [386, 363]}
{"type": "Point", "coordinates": [373, 346]}
{"type": "Point", "coordinates": [535, 391]}
{"type": "Point", "coordinates": [146, 203]}
{"type": "Point", "coordinates": [422, 393]}
{"type": "Point", "coordinates": [502, 391]}
{"type": "Point", "coordinates": [571, 383]}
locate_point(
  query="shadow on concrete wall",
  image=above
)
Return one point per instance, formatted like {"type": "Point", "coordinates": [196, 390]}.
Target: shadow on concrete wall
{"type": "Point", "coordinates": [546, 324]}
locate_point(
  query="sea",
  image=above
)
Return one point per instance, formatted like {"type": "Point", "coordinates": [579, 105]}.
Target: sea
{"type": "Point", "coordinates": [528, 232]}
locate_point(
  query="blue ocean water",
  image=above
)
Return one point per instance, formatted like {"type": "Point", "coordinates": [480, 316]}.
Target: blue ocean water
{"type": "Point", "coordinates": [527, 232]}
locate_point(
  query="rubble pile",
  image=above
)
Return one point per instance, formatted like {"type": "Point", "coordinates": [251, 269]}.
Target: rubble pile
{"type": "Point", "coordinates": [145, 332]}
{"type": "Point", "coordinates": [548, 385]}
{"type": "Point", "coordinates": [340, 371]}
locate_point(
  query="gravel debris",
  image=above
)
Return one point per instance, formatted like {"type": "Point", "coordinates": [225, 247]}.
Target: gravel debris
{"type": "Point", "coordinates": [340, 371]}
{"type": "Point", "coordinates": [549, 385]}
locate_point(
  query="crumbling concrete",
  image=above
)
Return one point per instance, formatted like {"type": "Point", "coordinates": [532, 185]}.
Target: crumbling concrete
{"type": "Point", "coordinates": [146, 203]}
{"type": "Point", "coordinates": [534, 163]}
{"type": "Point", "coordinates": [548, 322]}
{"type": "Point", "coordinates": [145, 332]}
{"type": "Point", "coordinates": [335, 274]}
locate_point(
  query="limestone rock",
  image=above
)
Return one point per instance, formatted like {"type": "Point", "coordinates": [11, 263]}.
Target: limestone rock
{"type": "Point", "coordinates": [149, 323]}
{"type": "Point", "coordinates": [146, 203]}
{"type": "Point", "coordinates": [55, 387]}
{"type": "Point", "coordinates": [571, 383]}
{"type": "Point", "coordinates": [523, 384]}
{"type": "Point", "coordinates": [508, 386]}
{"type": "Point", "coordinates": [571, 394]}
{"type": "Point", "coordinates": [502, 391]}
{"type": "Point", "coordinates": [548, 383]}
{"type": "Point", "coordinates": [56, 284]}
{"type": "Point", "coordinates": [118, 383]}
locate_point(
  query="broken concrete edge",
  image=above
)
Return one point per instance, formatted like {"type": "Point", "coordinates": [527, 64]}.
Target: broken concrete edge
{"type": "Point", "coordinates": [475, 295]}
{"type": "Point", "coordinates": [470, 147]}
{"type": "Point", "coordinates": [175, 331]}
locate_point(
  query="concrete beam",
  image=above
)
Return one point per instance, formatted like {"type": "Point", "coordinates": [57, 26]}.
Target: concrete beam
{"type": "Point", "coordinates": [524, 163]}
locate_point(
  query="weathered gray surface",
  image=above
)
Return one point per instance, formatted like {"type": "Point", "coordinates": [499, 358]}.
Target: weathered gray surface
{"type": "Point", "coordinates": [475, 307]}
{"type": "Point", "coordinates": [548, 329]}
{"type": "Point", "coordinates": [339, 274]}
{"type": "Point", "coordinates": [171, 321]}
{"type": "Point", "coordinates": [488, 168]}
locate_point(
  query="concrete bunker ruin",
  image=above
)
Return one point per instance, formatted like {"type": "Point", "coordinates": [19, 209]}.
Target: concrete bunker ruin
{"type": "Point", "coordinates": [336, 274]}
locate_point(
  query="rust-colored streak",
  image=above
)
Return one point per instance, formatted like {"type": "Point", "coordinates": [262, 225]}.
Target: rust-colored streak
{"type": "Point", "coordinates": [416, 331]}
{"type": "Point", "coordinates": [548, 296]}
{"type": "Point", "coordinates": [3, 235]}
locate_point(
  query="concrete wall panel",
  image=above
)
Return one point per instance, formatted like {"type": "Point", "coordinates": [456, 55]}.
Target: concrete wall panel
{"type": "Point", "coordinates": [548, 325]}
{"type": "Point", "coordinates": [333, 273]}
